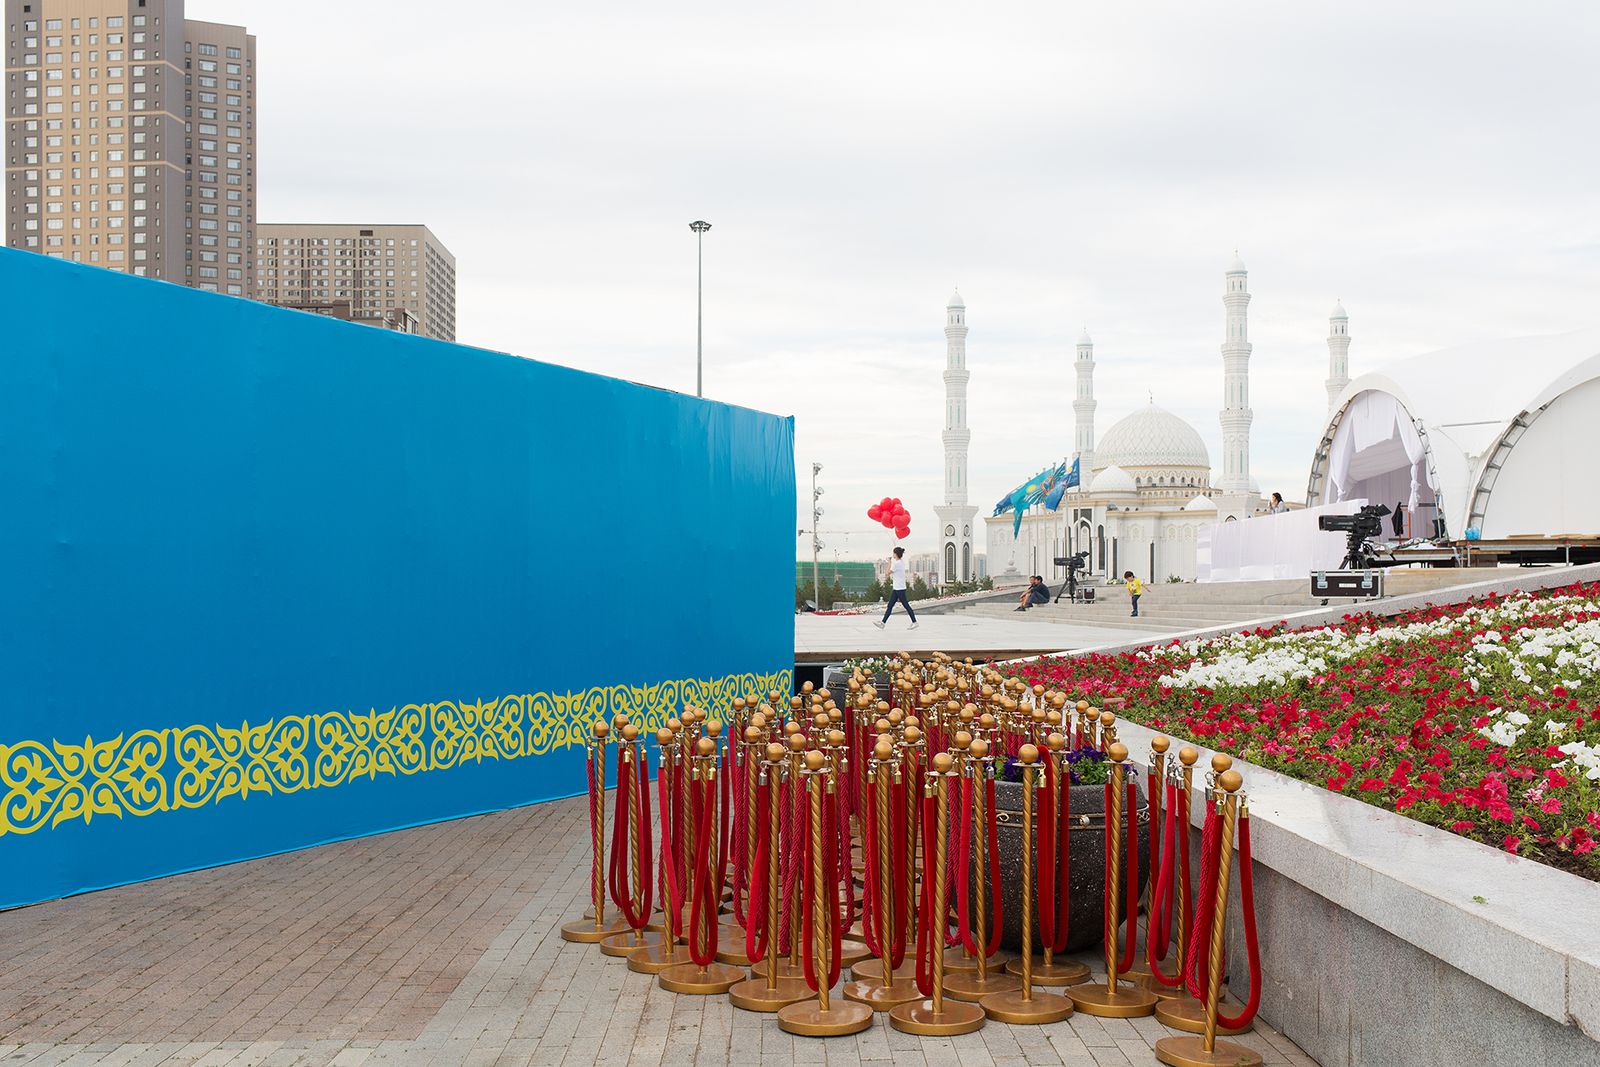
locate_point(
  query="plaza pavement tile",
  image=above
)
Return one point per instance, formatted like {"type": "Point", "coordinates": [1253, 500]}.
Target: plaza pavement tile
{"type": "Point", "coordinates": [434, 945]}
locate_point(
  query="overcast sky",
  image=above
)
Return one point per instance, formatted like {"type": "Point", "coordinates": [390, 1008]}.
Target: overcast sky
{"type": "Point", "coordinates": [1433, 166]}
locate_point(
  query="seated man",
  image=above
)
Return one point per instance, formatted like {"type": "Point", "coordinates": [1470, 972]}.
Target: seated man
{"type": "Point", "coordinates": [1036, 593]}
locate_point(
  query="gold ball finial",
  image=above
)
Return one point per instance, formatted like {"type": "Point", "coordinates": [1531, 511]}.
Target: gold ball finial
{"type": "Point", "coordinates": [797, 742]}
{"type": "Point", "coordinates": [1083, 706]}
{"type": "Point", "coordinates": [1230, 781]}
{"type": "Point", "coordinates": [713, 729]}
{"type": "Point", "coordinates": [1188, 755]}
{"type": "Point", "coordinates": [963, 739]}
{"type": "Point", "coordinates": [600, 731]}
{"type": "Point", "coordinates": [674, 724]}
{"type": "Point", "coordinates": [774, 752]}
{"type": "Point", "coordinates": [979, 749]}
{"type": "Point", "coordinates": [1159, 744]}
{"type": "Point", "coordinates": [913, 735]}
{"type": "Point", "coordinates": [814, 761]}
{"type": "Point", "coordinates": [630, 733]}
{"type": "Point", "coordinates": [835, 738]}
{"type": "Point", "coordinates": [752, 734]}
{"type": "Point", "coordinates": [1028, 755]}
{"type": "Point", "coordinates": [942, 763]}
{"type": "Point", "coordinates": [663, 737]}
{"type": "Point", "coordinates": [1056, 742]}
{"type": "Point", "coordinates": [1107, 718]}
{"type": "Point", "coordinates": [705, 747]}
{"type": "Point", "coordinates": [1220, 763]}
{"type": "Point", "coordinates": [884, 749]}
{"type": "Point", "coordinates": [1117, 753]}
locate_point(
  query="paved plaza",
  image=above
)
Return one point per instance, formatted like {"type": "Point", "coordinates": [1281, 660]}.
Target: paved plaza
{"type": "Point", "coordinates": [435, 945]}
{"type": "Point", "coordinates": [830, 638]}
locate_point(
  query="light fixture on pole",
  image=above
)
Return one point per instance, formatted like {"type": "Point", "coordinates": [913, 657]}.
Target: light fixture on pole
{"type": "Point", "coordinates": [699, 227]}
{"type": "Point", "coordinates": [816, 545]}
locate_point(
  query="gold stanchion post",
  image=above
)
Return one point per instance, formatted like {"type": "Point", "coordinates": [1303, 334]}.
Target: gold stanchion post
{"type": "Point", "coordinates": [709, 978]}
{"type": "Point", "coordinates": [1026, 1006]}
{"type": "Point", "coordinates": [886, 990]}
{"type": "Point", "coordinates": [635, 938]}
{"type": "Point", "coordinates": [936, 1016]}
{"type": "Point", "coordinates": [980, 983]}
{"type": "Point", "coordinates": [1205, 1050]}
{"type": "Point", "coordinates": [824, 1016]}
{"type": "Point", "coordinates": [769, 992]}
{"type": "Point", "coordinates": [1114, 1000]}
{"type": "Point", "coordinates": [597, 928]}
{"type": "Point", "coordinates": [1051, 971]}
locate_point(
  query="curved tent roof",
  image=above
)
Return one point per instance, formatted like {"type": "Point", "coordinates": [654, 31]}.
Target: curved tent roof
{"type": "Point", "coordinates": [1468, 406]}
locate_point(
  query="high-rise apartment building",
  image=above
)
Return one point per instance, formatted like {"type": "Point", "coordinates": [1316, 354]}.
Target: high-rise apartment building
{"type": "Point", "coordinates": [383, 275]}
{"type": "Point", "coordinates": [131, 139]}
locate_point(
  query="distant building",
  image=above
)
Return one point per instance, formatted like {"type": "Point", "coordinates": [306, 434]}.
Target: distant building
{"type": "Point", "coordinates": [854, 576]}
{"type": "Point", "coordinates": [379, 271]}
{"type": "Point", "coordinates": [130, 140]}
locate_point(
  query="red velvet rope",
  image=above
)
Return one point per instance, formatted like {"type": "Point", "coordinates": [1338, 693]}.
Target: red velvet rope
{"type": "Point", "coordinates": [755, 927]}
{"type": "Point", "coordinates": [796, 824]}
{"type": "Point", "coordinates": [899, 884]}
{"type": "Point", "coordinates": [845, 876]}
{"type": "Point", "coordinates": [964, 867]}
{"type": "Point", "coordinates": [1064, 863]}
{"type": "Point", "coordinates": [1158, 931]}
{"type": "Point", "coordinates": [724, 840]}
{"type": "Point", "coordinates": [830, 864]}
{"type": "Point", "coordinates": [619, 832]}
{"type": "Point", "coordinates": [636, 797]}
{"type": "Point", "coordinates": [871, 911]}
{"type": "Point", "coordinates": [929, 922]}
{"type": "Point", "coordinates": [1130, 890]}
{"type": "Point", "coordinates": [1045, 835]}
{"type": "Point", "coordinates": [996, 904]}
{"type": "Point", "coordinates": [741, 835]}
{"type": "Point", "coordinates": [1197, 957]}
{"type": "Point", "coordinates": [1252, 949]}
{"type": "Point", "coordinates": [672, 899]}
{"type": "Point", "coordinates": [703, 912]}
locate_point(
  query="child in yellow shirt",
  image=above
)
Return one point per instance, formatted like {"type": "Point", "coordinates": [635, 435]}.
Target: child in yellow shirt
{"type": "Point", "coordinates": [1135, 589]}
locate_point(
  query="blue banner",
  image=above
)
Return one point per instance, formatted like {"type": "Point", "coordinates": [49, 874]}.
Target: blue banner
{"type": "Point", "coordinates": [274, 580]}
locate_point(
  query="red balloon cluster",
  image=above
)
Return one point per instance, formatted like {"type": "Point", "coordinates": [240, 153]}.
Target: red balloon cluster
{"type": "Point", "coordinates": [893, 515]}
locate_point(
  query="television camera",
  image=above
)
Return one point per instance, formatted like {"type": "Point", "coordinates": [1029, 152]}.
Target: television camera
{"type": "Point", "coordinates": [1073, 563]}
{"type": "Point", "coordinates": [1359, 530]}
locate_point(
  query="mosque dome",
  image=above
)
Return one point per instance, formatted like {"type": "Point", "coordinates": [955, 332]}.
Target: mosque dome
{"type": "Point", "coordinates": [1113, 480]}
{"type": "Point", "coordinates": [1338, 311]}
{"type": "Point", "coordinates": [1083, 338]}
{"type": "Point", "coordinates": [1152, 437]}
{"type": "Point", "coordinates": [1200, 503]}
{"type": "Point", "coordinates": [956, 301]}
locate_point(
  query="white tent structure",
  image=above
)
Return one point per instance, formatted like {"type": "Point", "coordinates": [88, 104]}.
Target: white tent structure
{"type": "Point", "coordinates": [1500, 437]}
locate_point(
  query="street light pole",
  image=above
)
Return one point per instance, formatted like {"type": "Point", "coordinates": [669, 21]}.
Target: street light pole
{"type": "Point", "coordinates": [699, 227]}
{"type": "Point", "coordinates": [816, 545]}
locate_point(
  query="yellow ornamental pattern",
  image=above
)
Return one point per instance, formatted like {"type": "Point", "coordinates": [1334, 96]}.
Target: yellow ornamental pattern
{"type": "Point", "coordinates": [44, 784]}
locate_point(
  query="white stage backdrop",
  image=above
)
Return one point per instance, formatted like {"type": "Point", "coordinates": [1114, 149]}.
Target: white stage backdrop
{"type": "Point", "coordinates": [1271, 546]}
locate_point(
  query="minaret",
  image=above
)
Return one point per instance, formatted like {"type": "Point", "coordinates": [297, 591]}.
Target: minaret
{"type": "Point", "coordinates": [1236, 414]}
{"type": "Point", "coordinates": [1083, 409]}
{"type": "Point", "coordinates": [955, 516]}
{"type": "Point", "coordinates": [1338, 353]}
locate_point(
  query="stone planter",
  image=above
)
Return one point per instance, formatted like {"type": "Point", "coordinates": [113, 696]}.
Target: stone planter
{"type": "Point", "coordinates": [1087, 871]}
{"type": "Point", "coordinates": [837, 681]}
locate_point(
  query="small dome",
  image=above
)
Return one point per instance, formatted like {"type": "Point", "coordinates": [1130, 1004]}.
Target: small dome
{"type": "Point", "coordinates": [1113, 480]}
{"type": "Point", "coordinates": [956, 301]}
{"type": "Point", "coordinates": [1083, 338]}
{"type": "Point", "coordinates": [1152, 438]}
{"type": "Point", "coordinates": [1338, 311]}
{"type": "Point", "coordinates": [1238, 264]}
{"type": "Point", "coordinates": [1200, 503]}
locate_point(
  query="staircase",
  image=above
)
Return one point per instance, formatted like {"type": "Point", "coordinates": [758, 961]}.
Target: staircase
{"type": "Point", "coordinates": [1173, 608]}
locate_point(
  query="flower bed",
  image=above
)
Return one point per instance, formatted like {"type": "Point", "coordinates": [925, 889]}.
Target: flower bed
{"type": "Point", "coordinates": [1482, 718]}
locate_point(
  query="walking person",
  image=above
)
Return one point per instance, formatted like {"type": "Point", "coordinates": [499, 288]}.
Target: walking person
{"type": "Point", "coordinates": [1135, 590]}
{"type": "Point", "coordinates": [897, 579]}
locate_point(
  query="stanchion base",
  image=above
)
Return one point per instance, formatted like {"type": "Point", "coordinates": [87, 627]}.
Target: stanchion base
{"type": "Point", "coordinates": [1164, 993]}
{"type": "Point", "coordinates": [730, 934]}
{"type": "Point", "coordinates": [585, 932]}
{"type": "Point", "coordinates": [956, 959]}
{"type": "Point", "coordinates": [1188, 1014]}
{"type": "Point", "coordinates": [969, 986]}
{"type": "Point", "coordinates": [752, 994]}
{"type": "Point", "coordinates": [854, 952]}
{"type": "Point", "coordinates": [1121, 1003]}
{"type": "Point", "coordinates": [1191, 1052]}
{"type": "Point", "coordinates": [853, 934]}
{"type": "Point", "coordinates": [629, 942]}
{"type": "Point", "coordinates": [807, 1018]}
{"type": "Point", "coordinates": [918, 1017]}
{"type": "Point", "coordinates": [1040, 1008]}
{"type": "Point", "coordinates": [1055, 973]}
{"type": "Point", "coordinates": [879, 997]}
{"type": "Point", "coordinates": [653, 959]}
{"type": "Point", "coordinates": [870, 968]}
{"type": "Point", "coordinates": [758, 969]}
{"type": "Point", "coordinates": [699, 981]}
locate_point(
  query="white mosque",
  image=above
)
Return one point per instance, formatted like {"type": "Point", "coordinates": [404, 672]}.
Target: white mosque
{"type": "Point", "coordinates": [1147, 483]}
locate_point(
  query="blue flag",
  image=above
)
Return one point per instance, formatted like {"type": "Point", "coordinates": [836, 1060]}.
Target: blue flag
{"type": "Point", "coordinates": [1070, 479]}
{"type": "Point", "coordinates": [1030, 493]}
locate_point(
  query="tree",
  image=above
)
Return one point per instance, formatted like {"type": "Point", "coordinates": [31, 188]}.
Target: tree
{"type": "Point", "coordinates": [988, 583]}
{"type": "Point", "coordinates": [875, 592]}
{"type": "Point", "coordinates": [919, 589]}
{"type": "Point", "coordinates": [837, 593]}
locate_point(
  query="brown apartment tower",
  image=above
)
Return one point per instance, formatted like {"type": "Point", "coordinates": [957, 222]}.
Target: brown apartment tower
{"type": "Point", "coordinates": [131, 140]}
{"type": "Point", "coordinates": [396, 276]}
